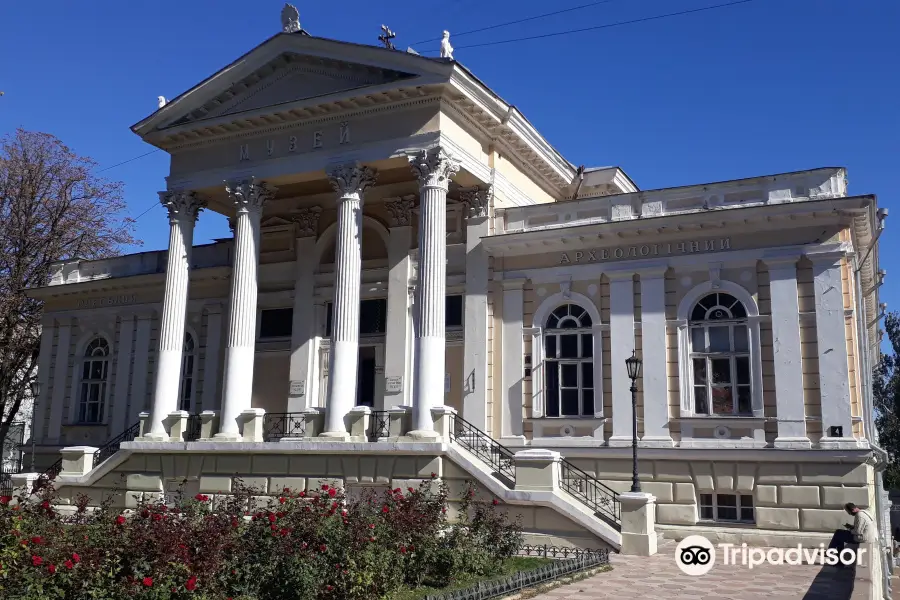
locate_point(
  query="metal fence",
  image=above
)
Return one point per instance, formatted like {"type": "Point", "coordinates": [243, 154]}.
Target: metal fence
{"type": "Point", "coordinates": [192, 433]}
{"type": "Point", "coordinates": [112, 446]}
{"type": "Point", "coordinates": [589, 491]}
{"type": "Point", "coordinates": [379, 425]}
{"type": "Point", "coordinates": [498, 588]}
{"type": "Point", "coordinates": [283, 425]}
{"type": "Point", "coordinates": [500, 458]}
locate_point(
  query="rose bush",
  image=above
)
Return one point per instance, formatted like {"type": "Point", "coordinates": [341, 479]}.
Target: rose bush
{"type": "Point", "coordinates": [300, 545]}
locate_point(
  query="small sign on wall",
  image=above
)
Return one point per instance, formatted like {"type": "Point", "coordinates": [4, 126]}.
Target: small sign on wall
{"type": "Point", "coordinates": [298, 387]}
{"type": "Point", "coordinates": [393, 384]}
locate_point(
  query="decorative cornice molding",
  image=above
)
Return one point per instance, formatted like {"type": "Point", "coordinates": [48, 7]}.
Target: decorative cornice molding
{"type": "Point", "coordinates": [249, 195]}
{"type": "Point", "coordinates": [307, 220]}
{"type": "Point", "coordinates": [183, 206]}
{"type": "Point", "coordinates": [400, 209]}
{"type": "Point", "coordinates": [477, 200]}
{"type": "Point", "coordinates": [350, 180]}
{"type": "Point", "coordinates": [434, 167]}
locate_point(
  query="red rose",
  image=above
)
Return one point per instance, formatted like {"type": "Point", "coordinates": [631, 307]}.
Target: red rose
{"type": "Point", "coordinates": [433, 475]}
{"type": "Point", "coordinates": [37, 539]}
{"type": "Point", "coordinates": [5, 499]}
{"type": "Point", "coordinates": [234, 523]}
{"type": "Point", "coordinates": [371, 539]}
{"type": "Point", "coordinates": [37, 561]}
{"type": "Point", "coordinates": [385, 509]}
{"type": "Point", "coordinates": [45, 505]}
{"type": "Point", "coordinates": [282, 500]}
{"type": "Point", "coordinates": [302, 494]}
{"type": "Point", "coordinates": [332, 492]}
{"type": "Point", "coordinates": [495, 503]}
{"type": "Point", "coordinates": [190, 584]}
{"type": "Point", "coordinates": [148, 581]}
{"type": "Point", "coordinates": [51, 568]}
{"type": "Point", "coordinates": [371, 525]}
{"type": "Point", "coordinates": [324, 486]}
{"type": "Point", "coordinates": [402, 549]}
{"type": "Point", "coordinates": [410, 490]}
{"type": "Point", "coordinates": [411, 548]}
{"type": "Point", "coordinates": [323, 548]}
{"type": "Point", "coordinates": [69, 564]}
{"type": "Point", "coordinates": [120, 520]}
{"type": "Point", "coordinates": [328, 588]}
{"type": "Point", "coordinates": [273, 527]}
{"type": "Point", "coordinates": [145, 513]}
{"type": "Point", "coordinates": [75, 557]}
{"type": "Point", "coordinates": [397, 490]}
{"type": "Point", "coordinates": [271, 518]}
{"type": "Point", "coordinates": [157, 517]}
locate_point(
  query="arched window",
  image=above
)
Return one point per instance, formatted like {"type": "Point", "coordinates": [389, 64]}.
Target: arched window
{"type": "Point", "coordinates": [186, 389]}
{"type": "Point", "coordinates": [720, 356]}
{"type": "Point", "coordinates": [569, 362]}
{"type": "Point", "coordinates": [94, 373]}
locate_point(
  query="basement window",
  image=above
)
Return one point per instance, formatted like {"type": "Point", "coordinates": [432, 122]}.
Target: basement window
{"type": "Point", "coordinates": [728, 508]}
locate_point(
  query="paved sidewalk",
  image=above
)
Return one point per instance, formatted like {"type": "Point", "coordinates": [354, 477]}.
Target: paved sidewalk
{"type": "Point", "coordinates": [659, 578]}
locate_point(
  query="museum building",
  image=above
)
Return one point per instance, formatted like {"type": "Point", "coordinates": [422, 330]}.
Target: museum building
{"type": "Point", "coordinates": [417, 282]}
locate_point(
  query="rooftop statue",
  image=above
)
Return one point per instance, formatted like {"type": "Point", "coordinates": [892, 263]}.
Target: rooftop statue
{"type": "Point", "coordinates": [290, 19]}
{"type": "Point", "coordinates": [446, 48]}
{"type": "Point", "coordinates": [161, 101]}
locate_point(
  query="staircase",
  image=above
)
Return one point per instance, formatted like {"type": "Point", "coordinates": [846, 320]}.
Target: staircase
{"type": "Point", "coordinates": [586, 489]}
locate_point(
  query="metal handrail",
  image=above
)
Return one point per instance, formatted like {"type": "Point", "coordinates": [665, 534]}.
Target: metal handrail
{"type": "Point", "coordinates": [47, 476]}
{"type": "Point", "coordinates": [588, 490]}
{"type": "Point", "coordinates": [193, 430]}
{"type": "Point", "coordinates": [500, 458]}
{"type": "Point", "coordinates": [112, 446]}
{"type": "Point", "coordinates": [282, 425]}
{"type": "Point", "coordinates": [379, 425]}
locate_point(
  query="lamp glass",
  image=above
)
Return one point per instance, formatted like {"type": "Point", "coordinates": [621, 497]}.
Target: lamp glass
{"type": "Point", "coordinates": [35, 388]}
{"type": "Point", "coordinates": [633, 364]}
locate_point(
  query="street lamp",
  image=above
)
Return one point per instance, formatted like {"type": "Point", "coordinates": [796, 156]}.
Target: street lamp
{"type": "Point", "coordinates": [35, 390]}
{"type": "Point", "coordinates": [633, 364]}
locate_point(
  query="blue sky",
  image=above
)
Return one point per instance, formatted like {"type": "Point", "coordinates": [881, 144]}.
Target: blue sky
{"type": "Point", "coordinates": [763, 87]}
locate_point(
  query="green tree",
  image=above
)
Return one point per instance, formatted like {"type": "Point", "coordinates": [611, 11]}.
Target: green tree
{"type": "Point", "coordinates": [886, 390]}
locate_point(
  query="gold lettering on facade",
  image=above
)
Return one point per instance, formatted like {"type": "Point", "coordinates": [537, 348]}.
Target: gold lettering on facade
{"type": "Point", "coordinates": [345, 133]}
{"type": "Point", "coordinates": [270, 147]}
{"type": "Point", "coordinates": [317, 139]}
{"type": "Point", "coordinates": [245, 152]}
{"type": "Point", "coordinates": [690, 247]}
{"type": "Point", "coordinates": [292, 143]}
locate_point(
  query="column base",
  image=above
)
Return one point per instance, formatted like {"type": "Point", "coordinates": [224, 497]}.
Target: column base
{"type": "Point", "coordinates": [228, 437]}
{"type": "Point", "coordinates": [514, 441]}
{"type": "Point", "coordinates": [423, 435]}
{"type": "Point", "coordinates": [792, 443]}
{"type": "Point", "coordinates": [620, 441]}
{"type": "Point", "coordinates": [655, 441]}
{"type": "Point", "coordinates": [334, 436]}
{"type": "Point", "coordinates": [831, 443]}
{"type": "Point", "coordinates": [155, 437]}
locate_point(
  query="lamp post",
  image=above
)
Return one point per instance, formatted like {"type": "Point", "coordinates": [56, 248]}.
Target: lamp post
{"type": "Point", "coordinates": [35, 390]}
{"type": "Point", "coordinates": [633, 364]}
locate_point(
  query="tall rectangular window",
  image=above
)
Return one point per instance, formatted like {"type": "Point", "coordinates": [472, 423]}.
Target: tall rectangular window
{"type": "Point", "coordinates": [276, 323]}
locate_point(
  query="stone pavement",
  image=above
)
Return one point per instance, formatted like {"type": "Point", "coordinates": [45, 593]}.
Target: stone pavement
{"type": "Point", "coordinates": [659, 578]}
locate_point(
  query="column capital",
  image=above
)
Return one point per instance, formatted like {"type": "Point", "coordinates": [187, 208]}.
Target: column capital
{"type": "Point", "coordinates": [249, 195]}
{"type": "Point", "coordinates": [182, 205]}
{"type": "Point", "coordinates": [350, 180]}
{"type": "Point", "coordinates": [434, 167]}
{"type": "Point", "coordinates": [400, 209]}
{"type": "Point", "coordinates": [781, 261]}
{"type": "Point", "coordinates": [477, 200]}
{"type": "Point", "coordinates": [307, 220]}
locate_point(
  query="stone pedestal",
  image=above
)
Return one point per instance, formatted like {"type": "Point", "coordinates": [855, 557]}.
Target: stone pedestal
{"type": "Point", "coordinates": [177, 424]}
{"type": "Point", "coordinates": [359, 419]}
{"type": "Point", "coordinates": [433, 169]}
{"type": "Point", "coordinates": [537, 470]}
{"type": "Point", "coordinates": [349, 181]}
{"type": "Point", "coordinates": [443, 421]}
{"type": "Point", "coordinates": [399, 420]}
{"type": "Point", "coordinates": [251, 421]}
{"type": "Point", "coordinates": [209, 424]}
{"type": "Point", "coordinates": [240, 349]}
{"type": "Point", "coordinates": [638, 523]}
{"type": "Point", "coordinates": [23, 483]}
{"type": "Point", "coordinates": [77, 460]}
{"type": "Point", "coordinates": [143, 424]}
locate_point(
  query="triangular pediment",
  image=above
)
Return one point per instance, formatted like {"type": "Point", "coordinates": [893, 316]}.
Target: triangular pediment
{"type": "Point", "coordinates": [289, 69]}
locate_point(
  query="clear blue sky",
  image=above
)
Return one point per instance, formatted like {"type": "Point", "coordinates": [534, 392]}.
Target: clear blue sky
{"type": "Point", "coordinates": [759, 88]}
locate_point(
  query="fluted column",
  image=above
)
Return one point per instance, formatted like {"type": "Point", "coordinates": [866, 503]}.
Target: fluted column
{"type": "Point", "coordinates": [433, 169]}
{"type": "Point", "coordinates": [249, 198]}
{"type": "Point", "coordinates": [349, 181]}
{"type": "Point", "coordinates": [183, 207]}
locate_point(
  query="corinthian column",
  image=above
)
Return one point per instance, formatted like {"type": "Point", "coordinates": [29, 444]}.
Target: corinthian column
{"type": "Point", "coordinates": [349, 181]}
{"type": "Point", "coordinates": [433, 169]}
{"type": "Point", "coordinates": [184, 207]}
{"type": "Point", "coordinates": [248, 198]}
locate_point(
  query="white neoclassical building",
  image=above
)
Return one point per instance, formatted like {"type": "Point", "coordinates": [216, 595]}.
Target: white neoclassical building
{"type": "Point", "coordinates": [413, 267]}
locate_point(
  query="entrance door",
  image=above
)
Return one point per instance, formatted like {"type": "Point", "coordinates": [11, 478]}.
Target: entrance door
{"type": "Point", "coordinates": [365, 377]}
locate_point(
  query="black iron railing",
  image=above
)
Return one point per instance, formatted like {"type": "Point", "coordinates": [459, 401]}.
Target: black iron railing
{"type": "Point", "coordinates": [379, 425]}
{"type": "Point", "coordinates": [282, 425]}
{"type": "Point", "coordinates": [500, 458]}
{"type": "Point", "coordinates": [48, 475]}
{"type": "Point", "coordinates": [561, 552]}
{"type": "Point", "coordinates": [192, 433]}
{"type": "Point", "coordinates": [590, 492]}
{"type": "Point", "coordinates": [112, 446]}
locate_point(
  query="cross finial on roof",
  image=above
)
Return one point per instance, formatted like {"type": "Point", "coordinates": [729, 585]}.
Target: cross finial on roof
{"type": "Point", "coordinates": [386, 36]}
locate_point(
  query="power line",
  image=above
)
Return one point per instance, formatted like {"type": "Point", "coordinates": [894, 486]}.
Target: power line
{"type": "Point", "coordinates": [516, 22]}
{"type": "Point", "coordinates": [128, 161]}
{"type": "Point", "coordinates": [608, 25]}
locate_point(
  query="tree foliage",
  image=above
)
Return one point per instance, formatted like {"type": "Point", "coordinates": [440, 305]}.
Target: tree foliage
{"type": "Point", "coordinates": [53, 206]}
{"type": "Point", "coordinates": [886, 390]}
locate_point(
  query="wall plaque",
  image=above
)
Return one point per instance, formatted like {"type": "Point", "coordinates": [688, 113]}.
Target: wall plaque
{"type": "Point", "coordinates": [393, 384]}
{"type": "Point", "coordinates": [298, 387]}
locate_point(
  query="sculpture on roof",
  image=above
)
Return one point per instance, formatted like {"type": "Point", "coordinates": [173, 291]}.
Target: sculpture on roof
{"type": "Point", "coordinates": [446, 48]}
{"type": "Point", "coordinates": [386, 37]}
{"type": "Point", "coordinates": [290, 19]}
{"type": "Point", "coordinates": [161, 101]}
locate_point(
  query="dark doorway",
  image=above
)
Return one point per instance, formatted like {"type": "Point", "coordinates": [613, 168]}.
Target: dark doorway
{"type": "Point", "coordinates": [365, 377]}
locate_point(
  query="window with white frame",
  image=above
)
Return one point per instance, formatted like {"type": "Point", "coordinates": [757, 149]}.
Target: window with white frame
{"type": "Point", "coordinates": [188, 358]}
{"type": "Point", "coordinates": [720, 356]}
{"type": "Point", "coordinates": [94, 374]}
{"type": "Point", "coordinates": [569, 362]}
{"type": "Point", "coordinates": [737, 508]}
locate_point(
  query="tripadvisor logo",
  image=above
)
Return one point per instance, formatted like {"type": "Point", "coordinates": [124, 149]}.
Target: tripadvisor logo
{"type": "Point", "coordinates": [696, 555]}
